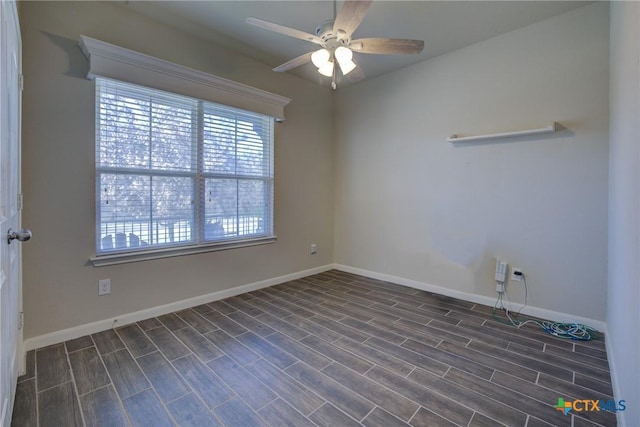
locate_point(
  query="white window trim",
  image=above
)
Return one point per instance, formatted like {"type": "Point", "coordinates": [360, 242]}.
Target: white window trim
{"type": "Point", "coordinates": [118, 63]}
{"type": "Point", "coordinates": [127, 257]}
{"type": "Point", "coordinates": [110, 61]}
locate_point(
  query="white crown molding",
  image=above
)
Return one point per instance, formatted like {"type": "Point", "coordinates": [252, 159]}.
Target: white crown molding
{"type": "Point", "coordinates": [110, 61]}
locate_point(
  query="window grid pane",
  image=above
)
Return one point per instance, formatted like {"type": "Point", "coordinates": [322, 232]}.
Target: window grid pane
{"type": "Point", "coordinates": [172, 170]}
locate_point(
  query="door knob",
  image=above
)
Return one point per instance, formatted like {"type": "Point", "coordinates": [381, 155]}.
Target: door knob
{"type": "Point", "coordinates": [21, 235]}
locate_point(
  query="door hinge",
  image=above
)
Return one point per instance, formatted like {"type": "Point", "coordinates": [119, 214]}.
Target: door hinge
{"type": "Point", "coordinates": [21, 82]}
{"type": "Point", "coordinates": [20, 201]}
{"type": "Point", "coordinates": [21, 320]}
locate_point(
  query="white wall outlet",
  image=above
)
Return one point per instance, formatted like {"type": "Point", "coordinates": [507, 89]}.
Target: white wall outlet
{"type": "Point", "coordinates": [516, 274]}
{"type": "Point", "coordinates": [314, 249]}
{"type": "Point", "coordinates": [104, 287]}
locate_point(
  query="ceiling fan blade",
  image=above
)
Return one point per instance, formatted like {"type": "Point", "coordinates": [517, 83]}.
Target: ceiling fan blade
{"type": "Point", "coordinates": [350, 17]}
{"type": "Point", "coordinates": [295, 62]}
{"type": "Point", "coordinates": [291, 32]}
{"type": "Point", "coordinates": [387, 46]}
{"type": "Point", "coordinates": [356, 74]}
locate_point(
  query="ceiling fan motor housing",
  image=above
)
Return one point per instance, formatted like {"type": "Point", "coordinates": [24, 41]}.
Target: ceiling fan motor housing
{"type": "Point", "coordinates": [326, 33]}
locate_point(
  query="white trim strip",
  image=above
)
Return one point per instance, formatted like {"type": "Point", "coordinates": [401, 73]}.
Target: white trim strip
{"type": "Point", "coordinates": [125, 319]}
{"type": "Point", "coordinates": [128, 318]}
{"type": "Point", "coordinates": [5, 406]}
{"type": "Point", "coordinates": [145, 255]}
{"type": "Point", "coordinates": [615, 383]}
{"type": "Point", "coordinates": [480, 299]}
{"type": "Point", "coordinates": [107, 60]}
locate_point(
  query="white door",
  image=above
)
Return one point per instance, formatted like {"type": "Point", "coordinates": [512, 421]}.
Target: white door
{"type": "Point", "coordinates": [10, 250]}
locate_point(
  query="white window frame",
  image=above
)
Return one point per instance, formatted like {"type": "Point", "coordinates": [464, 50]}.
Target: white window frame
{"type": "Point", "coordinates": [117, 63]}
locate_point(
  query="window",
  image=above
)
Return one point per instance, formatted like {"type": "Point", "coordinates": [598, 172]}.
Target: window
{"type": "Point", "coordinates": [175, 172]}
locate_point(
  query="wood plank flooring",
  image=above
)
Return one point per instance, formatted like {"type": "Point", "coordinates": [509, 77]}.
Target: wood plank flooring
{"type": "Point", "coordinates": [333, 349]}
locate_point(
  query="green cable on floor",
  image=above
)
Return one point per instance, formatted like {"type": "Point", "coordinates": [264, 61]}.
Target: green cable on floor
{"type": "Point", "coordinates": [567, 330]}
{"type": "Point", "coordinates": [574, 331]}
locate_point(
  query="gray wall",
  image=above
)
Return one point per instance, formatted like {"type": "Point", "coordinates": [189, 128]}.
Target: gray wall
{"type": "Point", "coordinates": [623, 318]}
{"type": "Point", "coordinates": [411, 205]}
{"type": "Point", "coordinates": [404, 201]}
{"type": "Point", "coordinates": [60, 287]}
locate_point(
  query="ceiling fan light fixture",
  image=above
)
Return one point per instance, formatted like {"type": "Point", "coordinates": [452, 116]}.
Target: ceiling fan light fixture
{"type": "Point", "coordinates": [343, 55]}
{"type": "Point", "coordinates": [347, 67]}
{"type": "Point", "coordinates": [320, 58]}
{"type": "Point", "coordinates": [336, 45]}
{"type": "Point", "coordinates": [327, 69]}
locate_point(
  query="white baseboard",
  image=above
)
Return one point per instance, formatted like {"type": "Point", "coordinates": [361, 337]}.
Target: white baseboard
{"type": "Point", "coordinates": [617, 395]}
{"type": "Point", "coordinates": [125, 319]}
{"type": "Point", "coordinates": [480, 299]}
{"type": "Point", "coordinates": [128, 318]}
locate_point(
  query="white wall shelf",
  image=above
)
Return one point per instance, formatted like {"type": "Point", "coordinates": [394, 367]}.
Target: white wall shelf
{"type": "Point", "coordinates": [549, 129]}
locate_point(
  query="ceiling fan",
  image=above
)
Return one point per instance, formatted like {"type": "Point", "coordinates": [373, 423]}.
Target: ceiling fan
{"type": "Point", "coordinates": [334, 37]}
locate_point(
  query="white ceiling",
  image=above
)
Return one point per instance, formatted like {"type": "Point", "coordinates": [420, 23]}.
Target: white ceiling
{"type": "Point", "coordinates": [443, 25]}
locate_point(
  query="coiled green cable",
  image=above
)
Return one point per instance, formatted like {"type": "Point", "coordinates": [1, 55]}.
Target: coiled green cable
{"type": "Point", "coordinates": [573, 331]}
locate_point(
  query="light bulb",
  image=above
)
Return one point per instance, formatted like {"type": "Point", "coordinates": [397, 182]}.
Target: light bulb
{"type": "Point", "coordinates": [343, 55]}
{"type": "Point", "coordinates": [326, 69]}
{"type": "Point", "coordinates": [320, 57]}
{"type": "Point", "coordinates": [347, 67]}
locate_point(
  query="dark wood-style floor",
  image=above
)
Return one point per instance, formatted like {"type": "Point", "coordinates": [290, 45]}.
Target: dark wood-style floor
{"type": "Point", "coordinates": [334, 349]}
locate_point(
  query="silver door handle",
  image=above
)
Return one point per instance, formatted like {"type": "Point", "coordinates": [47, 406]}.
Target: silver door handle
{"type": "Point", "coordinates": [22, 235]}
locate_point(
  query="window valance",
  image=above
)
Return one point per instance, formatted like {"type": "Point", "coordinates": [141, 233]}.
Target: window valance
{"type": "Point", "coordinates": [115, 62]}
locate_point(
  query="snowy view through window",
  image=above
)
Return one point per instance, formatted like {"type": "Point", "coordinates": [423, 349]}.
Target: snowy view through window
{"type": "Point", "coordinates": [173, 170]}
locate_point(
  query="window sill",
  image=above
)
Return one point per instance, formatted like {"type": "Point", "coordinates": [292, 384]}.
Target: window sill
{"type": "Point", "coordinates": [127, 257]}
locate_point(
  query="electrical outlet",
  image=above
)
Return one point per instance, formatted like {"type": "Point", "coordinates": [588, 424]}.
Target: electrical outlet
{"type": "Point", "coordinates": [104, 287]}
{"type": "Point", "coordinates": [516, 274]}
{"type": "Point", "coordinates": [314, 249]}
{"type": "Point", "coordinates": [500, 288]}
